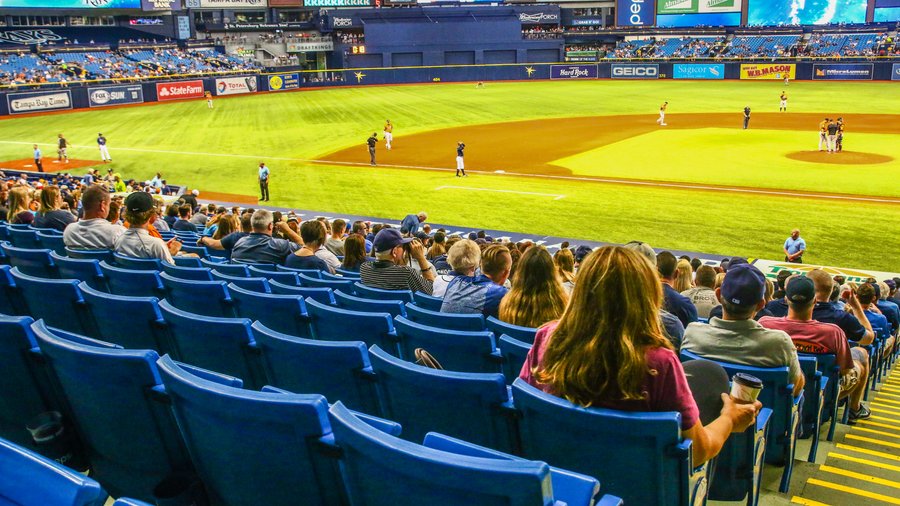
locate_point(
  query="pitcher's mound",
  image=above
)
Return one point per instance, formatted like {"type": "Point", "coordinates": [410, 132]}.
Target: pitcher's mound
{"type": "Point", "coordinates": [841, 158]}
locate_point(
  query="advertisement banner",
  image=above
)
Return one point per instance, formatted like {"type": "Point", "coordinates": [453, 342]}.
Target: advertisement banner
{"type": "Point", "coordinates": [573, 72]}
{"type": "Point", "coordinates": [537, 18]}
{"type": "Point", "coordinates": [160, 5]}
{"type": "Point", "coordinates": [281, 82]}
{"type": "Point", "coordinates": [634, 71]}
{"type": "Point", "coordinates": [768, 71]}
{"type": "Point", "coordinates": [72, 4]}
{"type": "Point", "coordinates": [895, 72]}
{"type": "Point", "coordinates": [21, 103]}
{"type": "Point", "coordinates": [310, 47]}
{"type": "Point", "coordinates": [115, 95]}
{"type": "Point", "coordinates": [844, 71]}
{"type": "Point", "coordinates": [771, 269]}
{"type": "Point", "coordinates": [698, 71]}
{"type": "Point", "coordinates": [29, 37]}
{"type": "Point", "coordinates": [236, 85]}
{"type": "Point", "coordinates": [231, 4]}
{"type": "Point", "coordinates": [285, 3]}
{"type": "Point", "coordinates": [179, 90]}
{"type": "Point", "coordinates": [697, 6]}
{"type": "Point", "coordinates": [635, 12]}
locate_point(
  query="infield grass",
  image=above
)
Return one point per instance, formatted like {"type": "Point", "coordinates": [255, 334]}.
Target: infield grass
{"type": "Point", "coordinates": [218, 151]}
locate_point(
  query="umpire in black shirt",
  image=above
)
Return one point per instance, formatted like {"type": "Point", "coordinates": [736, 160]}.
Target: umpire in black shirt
{"type": "Point", "coordinates": [371, 141]}
{"type": "Point", "coordinates": [746, 117]}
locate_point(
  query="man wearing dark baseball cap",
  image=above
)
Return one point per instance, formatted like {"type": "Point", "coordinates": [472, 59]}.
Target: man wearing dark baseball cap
{"type": "Point", "coordinates": [397, 266]}
{"type": "Point", "coordinates": [814, 337]}
{"type": "Point", "coordinates": [140, 212]}
{"type": "Point", "coordinates": [738, 339]}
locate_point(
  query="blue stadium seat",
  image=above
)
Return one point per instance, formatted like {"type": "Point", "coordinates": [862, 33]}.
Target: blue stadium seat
{"type": "Point", "coordinates": [210, 298]}
{"type": "Point", "coordinates": [345, 285]}
{"type": "Point", "coordinates": [392, 307]}
{"type": "Point", "coordinates": [52, 241]}
{"type": "Point", "coordinates": [137, 264]}
{"type": "Point", "coordinates": [58, 301]}
{"type": "Point", "coordinates": [347, 274]}
{"type": "Point", "coordinates": [11, 301]}
{"type": "Point", "coordinates": [33, 262]}
{"type": "Point", "coordinates": [97, 254]}
{"type": "Point", "coordinates": [814, 393]}
{"type": "Point", "coordinates": [256, 284]}
{"type": "Point", "coordinates": [281, 459]}
{"type": "Point", "coordinates": [87, 270]}
{"type": "Point", "coordinates": [281, 313]}
{"type": "Point", "coordinates": [368, 292]}
{"type": "Point", "coordinates": [4, 230]}
{"type": "Point", "coordinates": [473, 407]}
{"type": "Point", "coordinates": [187, 273]}
{"type": "Point", "coordinates": [514, 353]}
{"type": "Point", "coordinates": [383, 470]}
{"type": "Point", "coordinates": [831, 371]}
{"type": "Point", "coordinates": [131, 282]}
{"type": "Point", "coordinates": [455, 350]}
{"type": "Point", "coordinates": [130, 322]}
{"type": "Point", "coordinates": [226, 268]}
{"type": "Point", "coordinates": [323, 295]}
{"type": "Point", "coordinates": [24, 237]}
{"type": "Point", "coordinates": [331, 323]}
{"type": "Point", "coordinates": [127, 501]}
{"type": "Point", "coordinates": [313, 273]}
{"type": "Point", "coordinates": [648, 462]}
{"type": "Point", "coordinates": [185, 261]}
{"type": "Point", "coordinates": [263, 267]}
{"type": "Point", "coordinates": [200, 251]}
{"type": "Point", "coordinates": [222, 345]}
{"type": "Point", "coordinates": [29, 479]}
{"type": "Point", "coordinates": [498, 327]}
{"type": "Point", "coordinates": [288, 278]}
{"type": "Point", "coordinates": [450, 321]}
{"type": "Point", "coordinates": [425, 301]}
{"type": "Point", "coordinates": [337, 370]}
{"type": "Point", "coordinates": [131, 440]}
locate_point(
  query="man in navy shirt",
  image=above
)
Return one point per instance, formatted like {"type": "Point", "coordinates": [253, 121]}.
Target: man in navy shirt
{"type": "Point", "coordinates": [410, 224]}
{"type": "Point", "coordinates": [460, 159]}
{"type": "Point", "coordinates": [888, 308]}
{"type": "Point", "coordinates": [854, 324]}
{"type": "Point", "coordinates": [259, 247]}
{"type": "Point", "coordinates": [675, 303]}
{"type": "Point", "coordinates": [183, 223]}
{"type": "Point", "coordinates": [794, 247]}
{"type": "Point", "coordinates": [104, 151]}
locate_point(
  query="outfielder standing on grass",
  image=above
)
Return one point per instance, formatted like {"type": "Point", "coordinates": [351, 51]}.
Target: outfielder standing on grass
{"type": "Point", "coordinates": [460, 160]}
{"type": "Point", "coordinates": [783, 106]}
{"type": "Point", "coordinates": [62, 146]}
{"type": "Point", "coordinates": [209, 102]}
{"type": "Point", "coordinates": [662, 114]}
{"type": "Point", "coordinates": [104, 151]}
{"type": "Point", "coordinates": [746, 117]}
{"type": "Point", "coordinates": [388, 134]}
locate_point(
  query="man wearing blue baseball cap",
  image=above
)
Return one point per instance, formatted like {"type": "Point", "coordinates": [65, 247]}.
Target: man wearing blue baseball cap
{"type": "Point", "coordinates": [738, 339]}
{"type": "Point", "coordinates": [390, 270]}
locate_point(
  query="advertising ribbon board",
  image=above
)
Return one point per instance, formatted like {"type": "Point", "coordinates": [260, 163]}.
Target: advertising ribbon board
{"type": "Point", "coordinates": [281, 82]}
{"type": "Point", "coordinates": [231, 4]}
{"type": "Point", "coordinates": [895, 72]}
{"type": "Point", "coordinates": [72, 4]}
{"type": "Point", "coordinates": [844, 71]}
{"type": "Point", "coordinates": [310, 47]}
{"type": "Point", "coordinates": [115, 95]}
{"type": "Point", "coordinates": [22, 103]}
{"type": "Point", "coordinates": [771, 269]}
{"type": "Point", "coordinates": [771, 71]}
{"type": "Point", "coordinates": [635, 12]}
{"type": "Point", "coordinates": [179, 90]}
{"type": "Point", "coordinates": [698, 71]}
{"type": "Point", "coordinates": [235, 85]}
{"type": "Point", "coordinates": [634, 71]}
{"type": "Point", "coordinates": [573, 72]}
{"type": "Point", "coordinates": [697, 6]}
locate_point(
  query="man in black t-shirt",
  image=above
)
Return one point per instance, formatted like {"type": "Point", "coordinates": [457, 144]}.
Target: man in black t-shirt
{"type": "Point", "coordinates": [832, 135]}
{"type": "Point", "coordinates": [62, 145]}
{"type": "Point", "coordinates": [746, 117]}
{"type": "Point", "coordinates": [371, 141]}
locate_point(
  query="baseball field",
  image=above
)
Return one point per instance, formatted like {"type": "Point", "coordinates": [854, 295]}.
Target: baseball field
{"type": "Point", "coordinates": [582, 159]}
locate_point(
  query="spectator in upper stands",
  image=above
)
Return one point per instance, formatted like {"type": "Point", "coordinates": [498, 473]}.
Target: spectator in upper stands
{"type": "Point", "coordinates": [703, 296]}
{"type": "Point", "coordinates": [328, 257]}
{"type": "Point", "coordinates": [810, 336]}
{"type": "Point", "coordinates": [470, 291]}
{"type": "Point", "coordinates": [136, 241]}
{"type": "Point", "coordinates": [171, 214]}
{"type": "Point", "coordinates": [92, 231]}
{"type": "Point", "coordinates": [259, 247]}
{"type": "Point", "coordinates": [438, 247]}
{"type": "Point", "coordinates": [410, 224]}
{"type": "Point", "coordinates": [183, 223]}
{"type": "Point", "coordinates": [565, 267]}
{"type": "Point", "coordinates": [894, 284]}
{"type": "Point", "coordinates": [313, 236]}
{"type": "Point", "coordinates": [602, 350]}
{"type": "Point", "coordinates": [389, 271]}
{"type": "Point", "coordinates": [537, 295]}
{"type": "Point", "coordinates": [50, 214]}
{"type": "Point", "coordinates": [736, 337]}
{"type": "Point", "coordinates": [354, 252]}
{"type": "Point", "coordinates": [684, 275]}
{"type": "Point", "coordinates": [335, 243]}
{"type": "Point", "coordinates": [675, 303]}
{"type": "Point", "coordinates": [853, 323]}
{"type": "Point", "coordinates": [19, 206]}
{"type": "Point", "coordinates": [227, 242]}
{"type": "Point", "coordinates": [362, 228]}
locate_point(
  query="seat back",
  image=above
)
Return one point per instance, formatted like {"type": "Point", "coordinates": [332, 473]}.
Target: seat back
{"type": "Point", "coordinates": [288, 278]}
{"type": "Point", "coordinates": [313, 273]}
{"type": "Point", "coordinates": [347, 274]}
{"type": "Point", "coordinates": [186, 261]}
{"type": "Point", "coordinates": [57, 301]}
{"type": "Point", "coordinates": [455, 350]}
{"type": "Point", "coordinates": [130, 282]}
{"type": "Point", "coordinates": [34, 262]}
{"type": "Point", "coordinates": [97, 254]}
{"type": "Point", "coordinates": [223, 345]}
{"type": "Point", "coordinates": [323, 295]}
{"type": "Point", "coordinates": [827, 364]}
{"type": "Point", "coordinates": [514, 353]}
{"type": "Point", "coordinates": [131, 322]}
{"type": "Point", "coordinates": [239, 270]}
{"type": "Point", "coordinates": [468, 406]}
{"type": "Point", "coordinates": [383, 470]}
{"type": "Point", "coordinates": [646, 461]}
{"type": "Point", "coordinates": [131, 439]}
{"type": "Point", "coordinates": [187, 273]}
{"type": "Point", "coordinates": [392, 307]}
{"type": "Point", "coordinates": [24, 238]}
{"type": "Point", "coordinates": [331, 323]}
{"type": "Point", "coordinates": [11, 301]}
{"type": "Point", "coordinates": [278, 461]}
{"type": "Point", "coordinates": [368, 292]}
{"type": "Point", "coordinates": [28, 478]}
{"type": "Point", "coordinates": [137, 264]}
{"type": "Point", "coordinates": [449, 321]}
{"type": "Point", "coordinates": [425, 301]}
{"type": "Point", "coordinates": [335, 284]}
{"type": "Point", "coordinates": [87, 270]}
{"type": "Point", "coordinates": [255, 284]}
{"type": "Point", "coordinates": [337, 370]}
{"type": "Point", "coordinates": [210, 298]}
{"type": "Point", "coordinates": [200, 251]}
{"type": "Point", "coordinates": [498, 327]}
{"type": "Point", "coordinates": [52, 241]}
{"type": "Point", "coordinates": [281, 313]}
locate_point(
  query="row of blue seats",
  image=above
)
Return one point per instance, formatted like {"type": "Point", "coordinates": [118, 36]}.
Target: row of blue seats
{"type": "Point", "coordinates": [143, 418]}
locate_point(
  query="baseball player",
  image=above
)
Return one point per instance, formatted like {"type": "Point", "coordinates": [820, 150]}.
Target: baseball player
{"type": "Point", "coordinates": [823, 134]}
{"type": "Point", "coordinates": [104, 151]}
{"type": "Point", "coordinates": [388, 134]}
{"type": "Point", "coordinates": [209, 102]}
{"type": "Point", "coordinates": [783, 106]}
{"type": "Point", "coordinates": [662, 114]}
{"type": "Point", "coordinates": [832, 135]}
{"type": "Point", "coordinates": [460, 160]}
{"type": "Point", "coordinates": [840, 135]}
{"type": "Point", "coordinates": [371, 142]}
{"type": "Point", "coordinates": [62, 146]}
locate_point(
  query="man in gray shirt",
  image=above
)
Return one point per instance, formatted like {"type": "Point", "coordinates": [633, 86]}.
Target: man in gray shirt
{"type": "Point", "coordinates": [259, 247]}
{"type": "Point", "coordinates": [93, 231]}
{"type": "Point", "coordinates": [703, 295]}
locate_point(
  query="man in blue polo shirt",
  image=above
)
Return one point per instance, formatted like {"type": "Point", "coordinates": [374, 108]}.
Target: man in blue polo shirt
{"type": "Point", "coordinates": [263, 183]}
{"type": "Point", "coordinates": [854, 323]}
{"type": "Point", "coordinates": [794, 247]}
{"type": "Point", "coordinates": [888, 308]}
{"type": "Point", "coordinates": [410, 224]}
{"type": "Point", "coordinates": [259, 247]}
{"type": "Point", "coordinates": [675, 303]}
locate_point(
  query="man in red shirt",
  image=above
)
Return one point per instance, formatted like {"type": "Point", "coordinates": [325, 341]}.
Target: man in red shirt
{"type": "Point", "coordinates": [814, 337]}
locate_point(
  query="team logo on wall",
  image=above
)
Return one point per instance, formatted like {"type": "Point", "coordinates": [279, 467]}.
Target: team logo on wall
{"type": "Point", "coordinates": [29, 37]}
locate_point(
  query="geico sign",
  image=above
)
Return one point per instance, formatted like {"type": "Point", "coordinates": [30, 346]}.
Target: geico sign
{"type": "Point", "coordinates": [635, 71]}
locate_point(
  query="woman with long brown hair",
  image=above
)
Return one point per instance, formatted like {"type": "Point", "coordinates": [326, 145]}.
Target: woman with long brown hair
{"type": "Point", "coordinates": [565, 267]}
{"type": "Point", "coordinates": [50, 214]}
{"type": "Point", "coordinates": [19, 206]}
{"type": "Point", "coordinates": [684, 279]}
{"type": "Point", "coordinates": [226, 224]}
{"type": "Point", "coordinates": [354, 252]}
{"type": "Point", "coordinates": [537, 296]}
{"type": "Point", "coordinates": [608, 350]}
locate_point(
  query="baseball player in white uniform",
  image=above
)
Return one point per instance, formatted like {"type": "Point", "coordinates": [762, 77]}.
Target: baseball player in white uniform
{"type": "Point", "coordinates": [104, 151]}
{"type": "Point", "coordinates": [662, 114]}
{"type": "Point", "coordinates": [388, 134]}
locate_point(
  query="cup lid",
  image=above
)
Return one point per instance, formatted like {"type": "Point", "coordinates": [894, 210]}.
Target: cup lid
{"type": "Point", "coordinates": [748, 380]}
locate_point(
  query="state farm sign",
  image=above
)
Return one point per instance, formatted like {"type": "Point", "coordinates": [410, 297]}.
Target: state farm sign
{"type": "Point", "coordinates": [179, 90]}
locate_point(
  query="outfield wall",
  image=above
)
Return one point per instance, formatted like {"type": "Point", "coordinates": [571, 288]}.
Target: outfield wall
{"type": "Point", "coordinates": [99, 95]}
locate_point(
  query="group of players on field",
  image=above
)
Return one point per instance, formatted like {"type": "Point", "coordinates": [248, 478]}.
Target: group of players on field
{"type": "Point", "coordinates": [831, 134]}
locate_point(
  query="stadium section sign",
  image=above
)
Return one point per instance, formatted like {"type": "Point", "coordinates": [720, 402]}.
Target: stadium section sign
{"type": "Point", "coordinates": [115, 95]}
{"type": "Point", "coordinates": [634, 71]}
{"type": "Point", "coordinates": [179, 90]}
{"type": "Point", "coordinates": [844, 71]}
{"type": "Point", "coordinates": [281, 82]}
{"type": "Point", "coordinates": [573, 72]}
{"type": "Point", "coordinates": [635, 12]}
{"type": "Point", "coordinates": [698, 71]}
{"type": "Point", "coordinates": [21, 103]}
{"type": "Point", "coordinates": [895, 72]}
{"type": "Point", "coordinates": [697, 6]}
{"type": "Point", "coordinates": [236, 85]}
{"type": "Point", "coordinates": [768, 71]}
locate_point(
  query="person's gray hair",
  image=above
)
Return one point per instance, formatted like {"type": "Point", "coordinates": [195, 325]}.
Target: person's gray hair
{"type": "Point", "coordinates": [464, 256]}
{"type": "Point", "coordinates": [422, 215]}
{"type": "Point", "coordinates": [644, 249]}
{"type": "Point", "coordinates": [261, 219]}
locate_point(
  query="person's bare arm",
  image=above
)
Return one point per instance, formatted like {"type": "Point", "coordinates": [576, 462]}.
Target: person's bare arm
{"type": "Point", "coordinates": [799, 383]}
{"type": "Point", "coordinates": [417, 251]}
{"type": "Point", "coordinates": [857, 310]}
{"type": "Point", "coordinates": [708, 441]}
{"type": "Point", "coordinates": [209, 242]}
{"type": "Point", "coordinates": [290, 234]}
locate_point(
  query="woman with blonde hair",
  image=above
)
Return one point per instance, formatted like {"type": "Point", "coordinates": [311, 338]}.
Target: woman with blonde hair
{"type": "Point", "coordinates": [683, 276]}
{"type": "Point", "coordinates": [608, 350]}
{"type": "Point", "coordinates": [50, 214]}
{"type": "Point", "coordinates": [226, 224]}
{"type": "Point", "coordinates": [19, 206]}
{"type": "Point", "coordinates": [565, 267]}
{"type": "Point", "coordinates": [537, 295]}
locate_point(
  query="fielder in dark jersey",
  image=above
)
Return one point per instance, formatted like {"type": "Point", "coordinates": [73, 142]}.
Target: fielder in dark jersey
{"type": "Point", "coordinates": [746, 117]}
{"type": "Point", "coordinates": [371, 141]}
{"type": "Point", "coordinates": [61, 148]}
{"type": "Point", "coordinates": [460, 160]}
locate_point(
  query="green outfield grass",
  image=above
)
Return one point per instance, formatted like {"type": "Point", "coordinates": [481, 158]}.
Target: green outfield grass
{"type": "Point", "coordinates": [218, 151]}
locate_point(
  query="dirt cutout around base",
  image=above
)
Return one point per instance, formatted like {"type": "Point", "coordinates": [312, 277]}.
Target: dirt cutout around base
{"type": "Point", "coordinates": [50, 165]}
{"type": "Point", "coordinates": [233, 198]}
{"type": "Point", "coordinates": [839, 158]}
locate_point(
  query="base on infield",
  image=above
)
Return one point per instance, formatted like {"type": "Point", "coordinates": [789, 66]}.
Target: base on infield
{"type": "Point", "coordinates": [840, 158]}
{"type": "Point", "coordinates": [50, 165]}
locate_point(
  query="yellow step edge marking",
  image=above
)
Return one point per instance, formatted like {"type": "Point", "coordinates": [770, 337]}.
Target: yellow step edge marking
{"type": "Point", "coordinates": [879, 432]}
{"type": "Point", "coordinates": [872, 440]}
{"type": "Point", "coordinates": [889, 401]}
{"type": "Point", "coordinates": [875, 424]}
{"type": "Point", "coordinates": [850, 490]}
{"type": "Point", "coordinates": [866, 462]}
{"type": "Point", "coordinates": [806, 502]}
{"type": "Point", "coordinates": [889, 388]}
{"type": "Point", "coordinates": [895, 396]}
{"type": "Point", "coordinates": [886, 419]}
{"type": "Point", "coordinates": [874, 453]}
{"type": "Point", "coordinates": [860, 476]}
{"type": "Point", "coordinates": [880, 408]}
